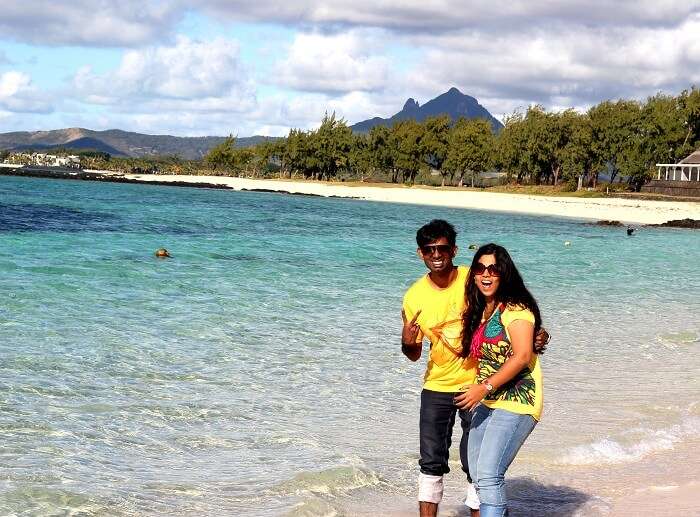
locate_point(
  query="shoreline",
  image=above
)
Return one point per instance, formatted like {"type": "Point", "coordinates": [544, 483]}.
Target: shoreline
{"type": "Point", "coordinates": [627, 211]}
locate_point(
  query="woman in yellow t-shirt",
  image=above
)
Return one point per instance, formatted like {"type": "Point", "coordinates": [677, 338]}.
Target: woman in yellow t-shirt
{"type": "Point", "coordinates": [500, 322]}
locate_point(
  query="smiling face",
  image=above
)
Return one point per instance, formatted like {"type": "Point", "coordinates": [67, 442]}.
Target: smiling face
{"type": "Point", "coordinates": [486, 276]}
{"type": "Point", "coordinates": [438, 255]}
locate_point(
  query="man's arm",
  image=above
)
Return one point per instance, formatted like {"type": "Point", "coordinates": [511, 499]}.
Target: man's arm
{"type": "Point", "coordinates": [410, 347]}
{"type": "Point", "coordinates": [413, 352]}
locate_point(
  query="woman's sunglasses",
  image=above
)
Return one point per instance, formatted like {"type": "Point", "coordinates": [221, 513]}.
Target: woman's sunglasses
{"type": "Point", "coordinates": [480, 268]}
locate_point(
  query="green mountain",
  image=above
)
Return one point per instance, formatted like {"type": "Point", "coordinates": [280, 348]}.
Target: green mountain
{"type": "Point", "coordinates": [118, 143]}
{"type": "Point", "coordinates": [453, 103]}
{"type": "Point", "coordinates": [126, 143]}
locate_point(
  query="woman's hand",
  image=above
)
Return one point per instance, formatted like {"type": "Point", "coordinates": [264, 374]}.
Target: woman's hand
{"type": "Point", "coordinates": [470, 398]}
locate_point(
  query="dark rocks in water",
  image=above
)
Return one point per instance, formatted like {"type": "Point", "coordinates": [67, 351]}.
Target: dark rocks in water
{"type": "Point", "coordinates": [272, 191]}
{"type": "Point", "coordinates": [604, 222]}
{"type": "Point", "coordinates": [680, 223]}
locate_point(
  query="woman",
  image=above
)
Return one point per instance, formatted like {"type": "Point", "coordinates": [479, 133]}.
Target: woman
{"type": "Point", "coordinates": [499, 324]}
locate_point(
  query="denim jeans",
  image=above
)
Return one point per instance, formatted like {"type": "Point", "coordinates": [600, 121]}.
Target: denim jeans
{"type": "Point", "coordinates": [495, 438]}
{"type": "Point", "coordinates": [437, 417]}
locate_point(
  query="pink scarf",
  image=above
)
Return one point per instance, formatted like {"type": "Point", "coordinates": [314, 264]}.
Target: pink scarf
{"type": "Point", "coordinates": [479, 336]}
{"type": "Point", "coordinates": [477, 340]}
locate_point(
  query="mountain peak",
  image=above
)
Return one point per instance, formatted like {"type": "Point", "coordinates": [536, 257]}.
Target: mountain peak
{"type": "Point", "coordinates": [453, 103]}
{"type": "Point", "coordinates": [411, 104]}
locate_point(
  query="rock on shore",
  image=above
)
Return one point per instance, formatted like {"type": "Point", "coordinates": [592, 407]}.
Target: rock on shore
{"type": "Point", "coordinates": [680, 223]}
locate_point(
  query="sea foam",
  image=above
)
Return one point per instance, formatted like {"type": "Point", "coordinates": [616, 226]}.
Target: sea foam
{"type": "Point", "coordinates": [610, 450]}
{"type": "Point", "coordinates": [332, 481]}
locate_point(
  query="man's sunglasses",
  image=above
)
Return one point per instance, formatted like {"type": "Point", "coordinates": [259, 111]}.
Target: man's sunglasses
{"type": "Point", "coordinates": [442, 249]}
{"type": "Point", "coordinates": [480, 268]}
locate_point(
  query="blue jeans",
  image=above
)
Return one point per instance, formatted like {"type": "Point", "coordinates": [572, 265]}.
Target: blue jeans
{"type": "Point", "coordinates": [495, 438]}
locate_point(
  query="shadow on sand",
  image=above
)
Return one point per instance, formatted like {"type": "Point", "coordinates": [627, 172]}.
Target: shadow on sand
{"type": "Point", "coordinates": [528, 498]}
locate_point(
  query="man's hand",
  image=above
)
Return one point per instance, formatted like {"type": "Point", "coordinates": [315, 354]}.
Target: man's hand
{"type": "Point", "coordinates": [541, 341]}
{"type": "Point", "coordinates": [470, 398]}
{"type": "Point", "coordinates": [411, 329]}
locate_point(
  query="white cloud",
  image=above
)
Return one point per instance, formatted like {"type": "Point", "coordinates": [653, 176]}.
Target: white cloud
{"type": "Point", "coordinates": [508, 55]}
{"type": "Point", "coordinates": [190, 75]}
{"type": "Point", "coordinates": [428, 16]}
{"type": "Point", "coordinates": [17, 94]}
{"type": "Point", "coordinates": [338, 63]}
{"type": "Point", "coordinates": [88, 22]}
{"type": "Point", "coordinates": [277, 114]}
{"type": "Point", "coordinates": [189, 88]}
{"type": "Point", "coordinates": [202, 88]}
{"type": "Point", "coordinates": [343, 57]}
{"type": "Point", "coordinates": [562, 66]}
{"type": "Point", "coordinates": [135, 22]}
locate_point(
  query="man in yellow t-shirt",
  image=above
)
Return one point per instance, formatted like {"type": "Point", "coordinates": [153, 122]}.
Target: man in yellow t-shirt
{"type": "Point", "coordinates": [432, 309]}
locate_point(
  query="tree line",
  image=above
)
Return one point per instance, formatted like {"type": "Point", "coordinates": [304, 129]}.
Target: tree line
{"type": "Point", "coordinates": [623, 139]}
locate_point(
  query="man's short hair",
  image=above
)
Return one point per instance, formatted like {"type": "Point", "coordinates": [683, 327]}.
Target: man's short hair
{"type": "Point", "coordinates": [434, 230]}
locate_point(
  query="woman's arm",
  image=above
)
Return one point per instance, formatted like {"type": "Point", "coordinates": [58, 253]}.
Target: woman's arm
{"type": "Point", "coordinates": [521, 335]}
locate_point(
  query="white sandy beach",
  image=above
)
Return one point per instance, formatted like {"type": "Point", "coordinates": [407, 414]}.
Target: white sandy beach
{"type": "Point", "coordinates": [632, 211]}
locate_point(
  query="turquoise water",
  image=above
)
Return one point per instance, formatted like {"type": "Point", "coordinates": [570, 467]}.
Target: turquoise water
{"type": "Point", "coordinates": [258, 371]}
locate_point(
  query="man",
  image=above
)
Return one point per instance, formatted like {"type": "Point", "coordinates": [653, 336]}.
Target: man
{"type": "Point", "coordinates": [432, 309]}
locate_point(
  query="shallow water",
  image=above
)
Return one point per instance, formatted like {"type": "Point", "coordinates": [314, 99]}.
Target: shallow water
{"type": "Point", "coordinates": [258, 371]}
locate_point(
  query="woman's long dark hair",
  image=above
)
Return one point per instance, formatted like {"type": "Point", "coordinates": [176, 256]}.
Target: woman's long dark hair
{"type": "Point", "coordinates": [511, 290]}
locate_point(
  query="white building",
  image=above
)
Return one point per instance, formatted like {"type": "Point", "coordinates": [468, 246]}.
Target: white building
{"type": "Point", "coordinates": [42, 159]}
{"type": "Point", "coordinates": [688, 169]}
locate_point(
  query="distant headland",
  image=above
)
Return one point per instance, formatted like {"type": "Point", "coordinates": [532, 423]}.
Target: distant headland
{"type": "Point", "coordinates": [120, 143]}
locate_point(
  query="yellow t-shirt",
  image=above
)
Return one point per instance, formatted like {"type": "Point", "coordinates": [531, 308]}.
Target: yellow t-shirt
{"type": "Point", "coordinates": [440, 322]}
{"type": "Point", "coordinates": [523, 393]}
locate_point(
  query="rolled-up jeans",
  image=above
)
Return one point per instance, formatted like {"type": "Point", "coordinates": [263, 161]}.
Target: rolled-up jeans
{"type": "Point", "coordinates": [437, 417]}
{"type": "Point", "coordinates": [495, 438]}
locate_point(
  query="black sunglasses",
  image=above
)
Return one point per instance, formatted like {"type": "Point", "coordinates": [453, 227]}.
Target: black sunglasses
{"type": "Point", "coordinates": [442, 249]}
{"type": "Point", "coordinates": [480, 268]}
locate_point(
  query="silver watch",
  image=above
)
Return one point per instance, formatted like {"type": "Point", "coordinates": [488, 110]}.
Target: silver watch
{"type": "Point", "coordinates": [489, 386]}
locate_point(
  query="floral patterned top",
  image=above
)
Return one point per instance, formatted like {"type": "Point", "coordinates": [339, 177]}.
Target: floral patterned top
{"type": "Point", "coordinates": [523, 393]}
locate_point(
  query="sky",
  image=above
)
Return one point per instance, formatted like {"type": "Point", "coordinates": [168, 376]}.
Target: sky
{"type": "Point", "coordinates": [242, 67]}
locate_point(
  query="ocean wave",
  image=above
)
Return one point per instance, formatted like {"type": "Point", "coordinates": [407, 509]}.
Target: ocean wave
{"type": "Point", "coordinates": [314, 508]}
{"type": "Point", "coordinates": [638, 444]}
{"type": "Point", "coordinates": [334, 481]}
{"type": "Point", "coordinates": [47, 501]}
{"type": "Point", "coordinates": [303, 441]}
{"type": "Point", "coordinates": [686, 337]}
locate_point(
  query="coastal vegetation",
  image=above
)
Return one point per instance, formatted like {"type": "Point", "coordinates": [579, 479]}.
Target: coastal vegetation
{"type": "Point", "coordinates": [617, 141]}
{"type": "Point", "coordinates": [621, 140]}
